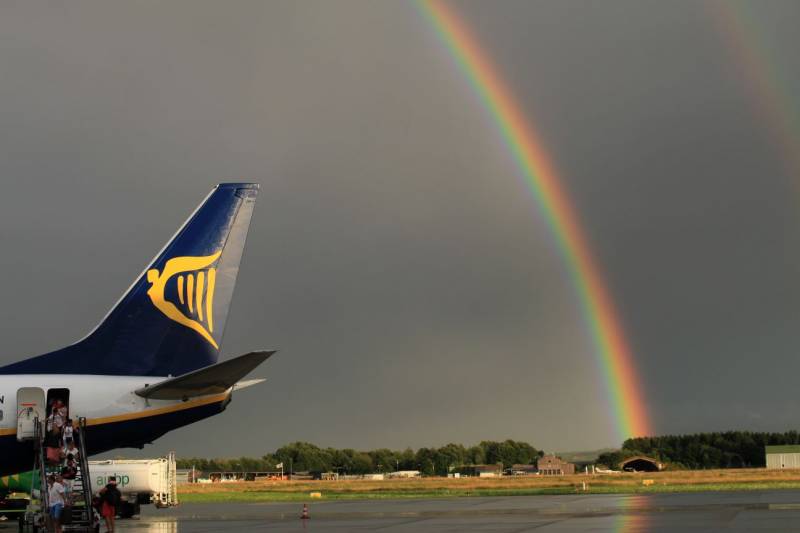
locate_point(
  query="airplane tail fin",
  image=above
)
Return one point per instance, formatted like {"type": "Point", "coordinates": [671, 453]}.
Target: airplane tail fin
{"type": "Point", "coordinates": [171, 320]}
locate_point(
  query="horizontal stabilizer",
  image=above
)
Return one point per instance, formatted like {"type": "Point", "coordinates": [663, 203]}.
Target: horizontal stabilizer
{"type": "Point", "coordinates": [212, 379]}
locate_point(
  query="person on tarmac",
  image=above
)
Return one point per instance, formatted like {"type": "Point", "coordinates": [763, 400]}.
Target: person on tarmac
{"type": "Point", "coordinates": [56, 497]}
{"type": "Point", "coordinates": [110, 497]}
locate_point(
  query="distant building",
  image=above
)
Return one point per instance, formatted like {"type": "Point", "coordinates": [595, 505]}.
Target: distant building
{"type": "Point", "coordinates": [188, 475]}
{"type": "Point", "coordinates": [488, 470]}
{"type": "Point", "coordinates": [783, 456]}
{"type": "Point", "coordinates": [232, 477]}
{"type": "Point", "coordinates": [640, 463]}
{"type": "Point", "coordinates": [183, 475]}
{"type": "Point", "coordinates": [524, 470]}
{"type": "Point", "coordinates": [551, 465]}
{"type": "Point", "coordinates": [480, 470]}
{"type": "Point", "coordinates": [403, 474]}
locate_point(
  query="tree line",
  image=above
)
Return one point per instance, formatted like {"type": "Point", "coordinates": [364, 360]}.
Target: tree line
{"type": "Point", "coordinates": [307, 457]}
{"type": "Point", "coordinates": [729, 449]}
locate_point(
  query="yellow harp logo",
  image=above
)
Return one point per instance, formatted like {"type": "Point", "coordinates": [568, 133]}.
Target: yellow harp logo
{"type": "Point", "coordinates": [195, 283]}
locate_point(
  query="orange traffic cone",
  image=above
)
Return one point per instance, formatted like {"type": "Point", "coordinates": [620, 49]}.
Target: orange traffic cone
{"type": "Point", "coordinates": [305, 515]}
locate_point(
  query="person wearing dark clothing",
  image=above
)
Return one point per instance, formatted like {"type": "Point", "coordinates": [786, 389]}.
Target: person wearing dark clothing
{"type": "Point", "coordinates": [111, 496]}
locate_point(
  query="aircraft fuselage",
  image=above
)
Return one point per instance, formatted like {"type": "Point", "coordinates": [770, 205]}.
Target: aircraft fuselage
{"type": "Point", "coordinates": [116, 417]}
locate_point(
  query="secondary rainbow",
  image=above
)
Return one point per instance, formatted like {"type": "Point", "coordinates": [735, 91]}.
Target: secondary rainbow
{"type": "Point", "coordinates": [541, 179]}
{"type": "Point", "coordinates": [770, 93]}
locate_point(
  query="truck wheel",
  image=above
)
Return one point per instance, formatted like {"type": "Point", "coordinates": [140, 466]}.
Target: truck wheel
{"type": "Point", "coordinates": [127, 510]}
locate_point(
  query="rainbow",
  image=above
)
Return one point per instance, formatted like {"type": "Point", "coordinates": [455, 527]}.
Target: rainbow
{"type": "Point", "coordinates": [769, 93]}
{"type": "Point", "coordinates": [631, 519]}
{"type": "Point", "coordinates": [541, 179]}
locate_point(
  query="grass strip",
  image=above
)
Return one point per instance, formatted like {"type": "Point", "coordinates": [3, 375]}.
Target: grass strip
{"type": "Point", "coordinates": [245, 496]}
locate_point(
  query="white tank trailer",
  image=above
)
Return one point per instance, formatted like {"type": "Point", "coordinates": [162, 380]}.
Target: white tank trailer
{"type": "Point", "coordinates": [141, 481]}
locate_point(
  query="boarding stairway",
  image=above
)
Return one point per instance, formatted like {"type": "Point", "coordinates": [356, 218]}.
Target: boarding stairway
{"type": "Point", "coordinates": [78, 514]}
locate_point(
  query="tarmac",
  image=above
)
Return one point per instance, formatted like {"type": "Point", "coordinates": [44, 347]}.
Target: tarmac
{"type": "Point", "coordinates": [722, 511]}
{"type": "Point", "coordinates": [697, 512]}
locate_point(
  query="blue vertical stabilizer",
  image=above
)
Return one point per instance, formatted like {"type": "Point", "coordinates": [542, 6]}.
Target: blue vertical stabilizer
{"type": "Point", "coordinates": [171, 320]}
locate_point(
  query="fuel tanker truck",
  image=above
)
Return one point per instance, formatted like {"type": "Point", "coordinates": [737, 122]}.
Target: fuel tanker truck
{"type": "Point", "coordinates": [141, 481]}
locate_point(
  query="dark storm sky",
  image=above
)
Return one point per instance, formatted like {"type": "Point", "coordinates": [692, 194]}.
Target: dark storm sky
{"type": "Point", "coordinates": [395, 259]}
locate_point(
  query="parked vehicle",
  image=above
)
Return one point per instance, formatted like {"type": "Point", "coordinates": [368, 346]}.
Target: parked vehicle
{"type": "Point", "coordinates": [141, 481]}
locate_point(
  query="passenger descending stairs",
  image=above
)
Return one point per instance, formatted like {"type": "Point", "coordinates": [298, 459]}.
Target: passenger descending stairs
{"type": "Point", "coordinates": [81, 518]}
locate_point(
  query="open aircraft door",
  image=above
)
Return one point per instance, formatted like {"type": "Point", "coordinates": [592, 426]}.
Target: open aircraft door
{"type": "Point", "coordinates": [30, 406]}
